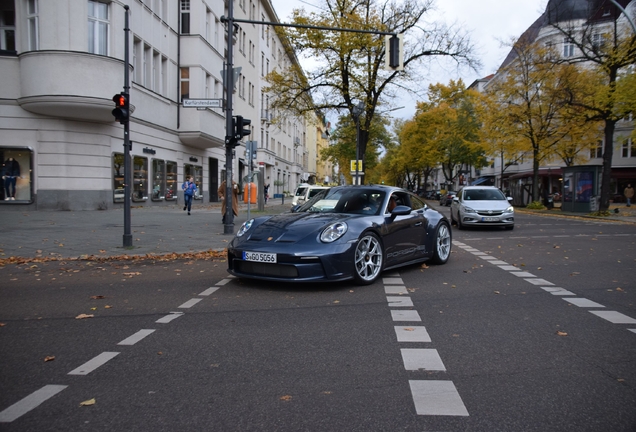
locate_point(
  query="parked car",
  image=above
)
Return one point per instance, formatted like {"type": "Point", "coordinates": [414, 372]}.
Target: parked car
{"type": "Point", "coordinates": [308, 192]}
{"type": "Point", "coordinates": [434, 195]}
{"type": "Point", "coordinates": [447, 198]}
{"type": "Point", "coordinates": [482, 206]}
{"type": "Point", "coordinates": [346, 232]}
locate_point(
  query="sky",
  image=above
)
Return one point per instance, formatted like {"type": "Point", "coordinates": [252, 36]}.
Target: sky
{"type": "Point", "coordinates": [489, 22]}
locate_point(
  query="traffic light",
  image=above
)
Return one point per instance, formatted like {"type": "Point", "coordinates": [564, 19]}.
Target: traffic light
{"type": "Point", "coordinates": [122, 105]}
{"type": "Point", "coordinates": [394, 56]}
{"type": "Point", "coordinates": [241, 127]}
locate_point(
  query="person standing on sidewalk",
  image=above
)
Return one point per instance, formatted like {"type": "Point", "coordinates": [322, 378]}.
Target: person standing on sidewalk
{"type": "Point", "coordinates": [629, 194]}
{"type": "Point", "coordinates": [221, 193]}
{"type": "Point", "coordinates": [189, 187]}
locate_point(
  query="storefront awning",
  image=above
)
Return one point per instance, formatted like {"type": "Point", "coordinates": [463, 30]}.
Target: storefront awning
{"type": "Point", "coordinates": [550, 172]}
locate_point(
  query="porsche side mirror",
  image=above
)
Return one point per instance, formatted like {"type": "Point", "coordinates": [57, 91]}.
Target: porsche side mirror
{"type": "Point", "coordinates": [401, 210]}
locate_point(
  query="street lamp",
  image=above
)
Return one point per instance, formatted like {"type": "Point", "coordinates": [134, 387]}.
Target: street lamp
{"type": "Point", "coordinates": [357, 111]}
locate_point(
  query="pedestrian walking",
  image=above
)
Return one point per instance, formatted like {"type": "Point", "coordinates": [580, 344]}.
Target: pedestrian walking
{"type": "Point", "coordinates": [189, 187]}
{"type": "Point", "coordinates": [221, 193]}
{"type": "Point", "coordinates": [629, 194]}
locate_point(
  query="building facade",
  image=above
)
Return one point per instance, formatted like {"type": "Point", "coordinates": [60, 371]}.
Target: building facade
{"type": "Point", "coordinates": [62, 61]}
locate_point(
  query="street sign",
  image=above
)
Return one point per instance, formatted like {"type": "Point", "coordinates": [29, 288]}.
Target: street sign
{"type": "Point", "coordinates": [203, 103]}
{"type": "Point", "coordinates": [353, 165]}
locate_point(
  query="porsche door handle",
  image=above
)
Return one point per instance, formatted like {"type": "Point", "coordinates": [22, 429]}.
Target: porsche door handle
{"type": "Point", "coordinates": [418, 224]}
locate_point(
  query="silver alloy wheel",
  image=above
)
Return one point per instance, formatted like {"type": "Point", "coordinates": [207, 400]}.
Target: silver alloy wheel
{"type": "Point", "coordinates": [368, 259]}
{"type": "Point", "coordinates": [442, 244]}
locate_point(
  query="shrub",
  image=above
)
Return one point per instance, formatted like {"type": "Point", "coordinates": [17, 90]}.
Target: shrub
{"type": "Point", "coordinates": [535, 205]}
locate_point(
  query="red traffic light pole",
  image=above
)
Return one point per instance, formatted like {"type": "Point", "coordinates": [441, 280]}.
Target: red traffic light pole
{"type": "Point", "coordinates": [124, 113]}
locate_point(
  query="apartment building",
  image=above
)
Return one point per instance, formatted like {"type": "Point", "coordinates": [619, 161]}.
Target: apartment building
{"type": "Point", "coordinates": [62, 61]}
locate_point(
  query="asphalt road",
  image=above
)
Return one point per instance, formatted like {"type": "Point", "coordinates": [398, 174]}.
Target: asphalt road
{"type": "Point", "coordinates": [512, 334]}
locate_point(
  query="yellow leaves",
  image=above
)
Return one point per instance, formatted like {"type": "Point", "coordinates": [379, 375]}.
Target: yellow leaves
{"type": "Point", "coordinates": [89, 402]}
{"type": "Point", "coordinates": [286, 398]}
{"type": "Point", "coordinates": [84, 316]}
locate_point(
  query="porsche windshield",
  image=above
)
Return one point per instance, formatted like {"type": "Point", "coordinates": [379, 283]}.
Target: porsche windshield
{"type": "Point", "coordinates": [366, 201]}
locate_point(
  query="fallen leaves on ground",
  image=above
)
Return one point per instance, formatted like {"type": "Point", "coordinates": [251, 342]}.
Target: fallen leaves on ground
{"type": "Point", "coordinates": [88, 402]}
{"type": "Point", "coordinates": [84, 316]}
{"type": "Point", "coordinates": [49, 358]}
{"type": "Point", "coordinates": [561, 333]}
{"type": "Point", "coordinates": [285, 398]}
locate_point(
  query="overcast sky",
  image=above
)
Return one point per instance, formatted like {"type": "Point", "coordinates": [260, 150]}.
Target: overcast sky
{"type": "Point", "coordinates": [488, 21]}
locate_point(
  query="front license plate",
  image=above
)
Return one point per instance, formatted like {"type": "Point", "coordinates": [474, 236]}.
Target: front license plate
{"type": "Point", "coordinates": [259, 257]}
{"type": "Point", "coordinates": [489, 219]}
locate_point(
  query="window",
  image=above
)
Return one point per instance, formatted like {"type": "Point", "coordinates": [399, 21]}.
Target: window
{"type": "Point", "coordinates": [7, 28]}
{"type": "Point", "coordinates": [147, 79]}
{"type": "Point", "coordinates": [156, 71]}
{"type": "Point", "coordinates": [185, 83]}
{"type": "Point", "coordinates": [597, 152]}
{"type": "Point", "coordinates": [158, 180]}
{"type": "Point", "coordinates": [628, 148]}
{"type": "Point", "coordinates": [97, 27]}
{"type": "Point", "coordinates": [185, 16]}
{"type": "Point", "coordinates": [16, 168]}
{"type": "Point", "coordinates": [32, 24]}
{"type": "Point", "coordinates": [136, 60]}
{"type": "Point", "coordinates": [171, 180]}
{"type": "Point", "coordinates": [140, 179]}
{"type": "Point", "coordinates": [568, 47]}
{"type": "Point", "coordinates": [118, 177]}
{"type": "Point", "coordinates": [164, 76]}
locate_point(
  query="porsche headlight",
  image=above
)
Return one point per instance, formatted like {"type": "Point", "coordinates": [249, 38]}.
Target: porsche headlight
{"type": "Point", "coordinates": [468, 210]}
{"type": "Point", "coordinates": [333, 232]}
{"type": "Point", "coordinates": [245, 227]}
{"type": "Point", "coordinates": [510, 209]}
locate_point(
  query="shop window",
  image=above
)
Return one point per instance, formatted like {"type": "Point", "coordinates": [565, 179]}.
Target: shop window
{"type": "Point", "coordinates": [197, 173]}
{"type": "Point", "coordinates": [16, 175]}
{"type": "Point", "coordinates": [158, 180]}
{"type": "Point", "coordinates": [118, 177]}
{"type": "Point", "coordinates": [140, 179]}
{"type": "Point", "coordinates": [171, 180]}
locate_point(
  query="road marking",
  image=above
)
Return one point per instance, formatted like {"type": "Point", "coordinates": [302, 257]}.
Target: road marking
{"type": "Point", "coordinates": [614, 317]}
{"type": "Point", "coordinates": [399, 301]}
{"type": "Point", "coordinates": [437, 398]}
{"type": "Point", "coordinates": [583, 302]}
{"type": "Point", "coordinates": [395, 289]}
{"type": "Point", "coordinates": [208, 291]}
{"type": "Point", "coordinates": [412, 334]}
{"type": "Point", "coordinates": [168, 318]}
{"type": "Point", "coordinates": [523, 274]}
{"type": "Point", "coordinates": [405, 315]}
{"type": "Point", "coordinates": [498, 263]}
{"type": "Point", "coordinates": [190, 303]}
{"type": "Point", "coordinates": [488, 257]}
{"type": "Point", "coordinates": [425, 359]}
{"type": "Point", "coordinates": [509, 268]}
{"type": "Point", "coordinates": [30, 402]}
{"type": "Point", "coordinates": [93, 364]}
{"type": "Point", "coordinates": [131, 340]}
{"type": "Point", "coordinates": [632, 330]}
{"type": "Point", "coordinates": [392, 281]}
{"type": "Point", "coordinates": [538, 282]}
{"type": "Point", "coordinates": [557, 291]}
{"type": "Point", "coordinates": [223, 282]}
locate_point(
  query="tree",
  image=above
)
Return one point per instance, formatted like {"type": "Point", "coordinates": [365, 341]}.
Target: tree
{"type": "Point", "coordinates": [535, 96]}
{"type": "Point", "coordinates": [608, 43]}
{"type": "Point", "coordinates": [445, 130]}
{"type": "Point", "coordinates": [351, 65]}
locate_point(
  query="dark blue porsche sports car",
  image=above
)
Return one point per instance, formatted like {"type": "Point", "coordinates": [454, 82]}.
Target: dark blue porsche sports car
{"type": "Point", "coordinates": [346, 232]}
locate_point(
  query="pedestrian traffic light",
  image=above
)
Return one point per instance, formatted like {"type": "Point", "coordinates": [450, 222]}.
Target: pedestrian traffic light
{"type": "Point", "coordinates": [122, 104]}
{"type": "Point", "coordinates": [241, 127]}
{"type": "Point", "coordinates": [394, 56]}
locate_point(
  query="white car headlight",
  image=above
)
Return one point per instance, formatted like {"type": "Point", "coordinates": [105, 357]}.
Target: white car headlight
{"type": "Point", "coordinates": [333, 232]}
{"type": "Point", "coordinates": [245, 227]}
{"type": "Point", "coordinates": [510, 209]}
{"type": "Point", "coordinates": [468, 210]}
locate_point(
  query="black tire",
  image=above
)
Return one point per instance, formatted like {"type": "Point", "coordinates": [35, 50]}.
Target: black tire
{"type": "Point", "coordinates": [368, 259]}
{"type": "Point", "coordinates": [442, 244]}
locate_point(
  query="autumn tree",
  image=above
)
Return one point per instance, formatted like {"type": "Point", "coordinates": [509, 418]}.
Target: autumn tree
{"type": "Point", "coordinates": [351, 66]}
{"type": "Point", "coordinates": [445, 130]}
{"type": "Point", "coordinates": [607, 43]}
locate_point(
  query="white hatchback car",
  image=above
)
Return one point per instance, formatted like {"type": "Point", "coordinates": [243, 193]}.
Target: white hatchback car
{"type": "Point", "coordinates": [307, 194]}
{"type": "Point", "coordinates": [482, 206]}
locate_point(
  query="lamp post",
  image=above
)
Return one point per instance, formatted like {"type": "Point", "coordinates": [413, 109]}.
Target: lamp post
{"type": "Point", "coordinates": [357, 111]}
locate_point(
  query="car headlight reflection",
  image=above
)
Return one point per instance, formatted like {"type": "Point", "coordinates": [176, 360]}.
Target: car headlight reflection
{"type": "Point", "coordinates": [469, 210]}
{"type": "Point", "coordinates": [333, 232]}
{"type": "Point", "coordinates": [245, 227]}
{"type": "Point", "coordinates": [510, 209]}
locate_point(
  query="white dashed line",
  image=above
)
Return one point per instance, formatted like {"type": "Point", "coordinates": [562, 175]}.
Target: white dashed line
{"type": "Point", "coordinates": [538, 282]}
{"type": "Point", "coordinates": [168, 318]}
{"type": "Point", "coordinates": [614, 317]}
{"type": "Point", "coordinates": [395, 289]}
{"type": "Point", "coordinates": [421, 358]}
{"type": "Point", "coordinates": [412, 334]}
{"type": "Point", "coordinates": [392, 281]}
{"type": "Point", "coordinates": [30, 402]}
{"type": "Point", "coordinates": [437, 398]}
{"type": "Point", "coordinates": [208, 291]}
{"type": "Point", "coordinates": [93, 364]}
{"type": "Point", "coordinates": [583, 302]}
{"type": "Point", "coordinates": [558, 291]}
{"type": "Point", "coordinates": [523, 274]}
{"type": "Point", "coordinates": [190, 303]}
{"type": "Point", "coordinates": [224, 281]}
{"type": "Point", "coordinates": [399, 301]}
{"type": "Point", "coordinates": [405, 315]}
{"type": "Point", "coordinates": [131, 340]}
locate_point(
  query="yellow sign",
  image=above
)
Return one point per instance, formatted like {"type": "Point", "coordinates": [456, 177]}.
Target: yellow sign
{"type": "Point", "coordinates": [353, 165]}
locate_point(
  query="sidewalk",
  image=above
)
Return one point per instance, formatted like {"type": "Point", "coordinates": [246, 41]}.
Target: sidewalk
{"type": "Point", "coordinates": [155, 230]}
